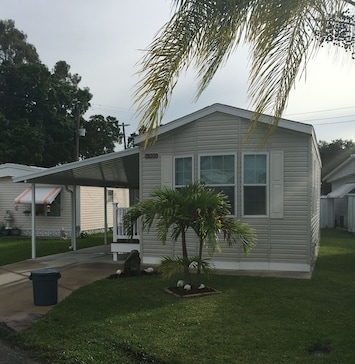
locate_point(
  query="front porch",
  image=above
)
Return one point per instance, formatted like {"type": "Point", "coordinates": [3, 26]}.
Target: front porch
{"type": "Point", "coordinates": [121, 245]}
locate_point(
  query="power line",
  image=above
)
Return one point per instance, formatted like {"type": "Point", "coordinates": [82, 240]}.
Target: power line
{"type": "Point", "coordinates": [339, 122]}
{"type": "Point", "coordinates": [331, 117]}
{"type": "Point", "coordinates": [326, 110]}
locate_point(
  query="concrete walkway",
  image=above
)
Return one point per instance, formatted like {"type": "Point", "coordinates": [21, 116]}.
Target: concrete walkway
{"type": "Point", "coordinates": [77, 269]}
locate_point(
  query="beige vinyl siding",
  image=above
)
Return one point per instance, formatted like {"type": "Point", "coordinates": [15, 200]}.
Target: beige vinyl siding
{"type": "Point", "coordinates": [45, 225]}
{"type": "Point", "coordinates": [280, 240]}
{"type": "Point", "coordinates": [92, 207]}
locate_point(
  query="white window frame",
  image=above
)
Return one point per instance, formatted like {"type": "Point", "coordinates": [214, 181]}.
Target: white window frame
{"type": "Point", "coordinates": [192, 168]}
{"type": "Point", "coordinates": [267, 184]}
{"type": "Point", "coordinates": [218, 185]}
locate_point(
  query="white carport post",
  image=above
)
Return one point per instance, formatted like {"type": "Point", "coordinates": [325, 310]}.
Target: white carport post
{"type": "Point", "coordinates": [73, 214]}
{"type": "Point", "coordinates": [33, 220]}
{"type": "Point", "coordinates": [105, 215]}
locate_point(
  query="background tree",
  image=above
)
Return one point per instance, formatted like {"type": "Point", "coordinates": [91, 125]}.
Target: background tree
{"type": "Point", "coordinates": [282, 35]}
{"type": "Point", "coordinates": [23, 108]}
{"type": "Point", "coordinates": [102, 134]}
{"type": "Point", "coordinates": [332, 154]}
{"type": "Point", "coordinates": [40, 111]}
{"type": "Point", "coordinates": [14, 47]}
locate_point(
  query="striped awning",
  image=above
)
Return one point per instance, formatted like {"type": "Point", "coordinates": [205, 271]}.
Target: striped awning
{"type": "Point", "coordinates": [44, 195]}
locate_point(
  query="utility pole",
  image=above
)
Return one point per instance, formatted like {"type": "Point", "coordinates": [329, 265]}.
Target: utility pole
{"type": "Point", "coordinates": [79, 132]}
{"type": "Point", "coordinates": [124, 134]}
{"type": "Point", "coordinates": [77, 136]}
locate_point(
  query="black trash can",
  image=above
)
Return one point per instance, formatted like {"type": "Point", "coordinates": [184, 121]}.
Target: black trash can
{"type": "Point", "coordinates": [45, 286]}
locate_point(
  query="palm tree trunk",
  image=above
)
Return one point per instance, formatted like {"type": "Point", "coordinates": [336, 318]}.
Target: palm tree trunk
{"type": "Point", "coordinates": [199, 259]}
{"type": "Point", "coordinates": [184, 255]}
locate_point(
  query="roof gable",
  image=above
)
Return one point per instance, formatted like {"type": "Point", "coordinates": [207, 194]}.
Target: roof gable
{"type": "Point", "coordinates": [230, 110]}
{"type": "Point", "coordinates": [345, 169]}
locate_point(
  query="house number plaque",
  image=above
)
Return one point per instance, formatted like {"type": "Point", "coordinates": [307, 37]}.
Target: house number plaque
{"type": "Point", "coordinates": [151, 156]}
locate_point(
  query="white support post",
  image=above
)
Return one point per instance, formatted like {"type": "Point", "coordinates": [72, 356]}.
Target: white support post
{"type": "Point", "coordinates": [115, 208]}
{"type": "Point", "coordinates": [33, 220]}
{"type": "Point", "coordinates": [73, 229]}
{"type": "Point", "coordinates": [105, 215]}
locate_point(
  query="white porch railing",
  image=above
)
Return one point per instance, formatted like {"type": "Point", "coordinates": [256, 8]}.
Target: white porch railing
{"type": "Point", "coordinates": [119, 244]}
{"type": "Point", "coordinates": [118, 230]}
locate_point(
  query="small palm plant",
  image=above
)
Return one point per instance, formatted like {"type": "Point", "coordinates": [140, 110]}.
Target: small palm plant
{"type": "Point", "coordinates": [194, 207]}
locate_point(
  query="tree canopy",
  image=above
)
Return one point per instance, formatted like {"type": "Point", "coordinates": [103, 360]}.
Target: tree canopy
{"type": "Point", "coordinates": [14, 47]}
{"type": "Point", "coordinates": [42, 110]}
{"type": "Point", "coordinates": [332, 154]}
{"type": "Point", "coordinates": [282, 35]}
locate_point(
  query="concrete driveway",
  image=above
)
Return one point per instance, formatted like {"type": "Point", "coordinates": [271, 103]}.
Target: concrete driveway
{"type": "Point", "coordinates": [77, 269]}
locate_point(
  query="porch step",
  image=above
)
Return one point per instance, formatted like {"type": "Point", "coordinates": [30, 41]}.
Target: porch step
{"type": "Point", "coordinates": [123, 246]}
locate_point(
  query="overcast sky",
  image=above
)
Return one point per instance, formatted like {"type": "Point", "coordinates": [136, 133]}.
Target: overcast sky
{"type": "Point", "coordinates": [102, 40]}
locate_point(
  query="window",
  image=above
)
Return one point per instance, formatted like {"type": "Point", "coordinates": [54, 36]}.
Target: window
{"type": "Point", "coordinates": [218, 172]}
{"type": "Point", "coordinates": [183, 171]}
{"type": "Point", "coordinates": [52, 209]}
{"type": "Point", "coordinates": [109, 195]}
{"type": "Point", "coordinates": [255, 184]}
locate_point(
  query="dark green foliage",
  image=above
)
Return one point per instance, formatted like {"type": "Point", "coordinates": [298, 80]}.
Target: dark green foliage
{"type": "Point", "coordinates": [102, 134]}
{"type": "Point", "coordinates": [41, 111]}
{"type": "Point", "coordinates": [14, 47]}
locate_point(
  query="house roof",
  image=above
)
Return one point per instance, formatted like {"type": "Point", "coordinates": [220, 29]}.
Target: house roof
{"type": "Point", "coordinates": [16, 170]}
{"type": "Point", "coordinates": [336, 172]}
{"type": "Point", "coordinates": [118, 169]}
{"type": "Point", "coordinates": [341, 191]}
{"type": "Point", "coordinates": [121, 169]}
{"type": "Point", "coordinates": [230, 110]}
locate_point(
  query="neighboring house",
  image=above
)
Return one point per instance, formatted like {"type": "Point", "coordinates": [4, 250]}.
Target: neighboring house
{"type": "Point", "coordinates": [338, 207]}
{"type": "Point", "coordinates": [53, 204]}
{"type": "Point", "coordinates": [273, 183]}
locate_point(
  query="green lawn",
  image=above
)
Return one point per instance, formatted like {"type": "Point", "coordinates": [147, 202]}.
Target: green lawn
{"type": "Point", "coordinates": [254, 319]}
{"type": "Point", "coordinates": [16, 249]}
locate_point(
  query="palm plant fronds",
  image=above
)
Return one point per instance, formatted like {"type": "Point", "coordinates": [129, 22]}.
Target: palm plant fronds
{"type": "Point", "coordinates": [174, 266]}
{"type": "Point", "coordinates": [282, 35]}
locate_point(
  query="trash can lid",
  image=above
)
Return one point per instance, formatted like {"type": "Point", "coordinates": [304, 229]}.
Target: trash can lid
{"type": "Point", "coordinates": [44, 273]}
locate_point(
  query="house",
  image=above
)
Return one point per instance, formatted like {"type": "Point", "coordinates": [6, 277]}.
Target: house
{"type": "Point", "coordinates": [273, 184]}
{"type": "Point", "coordinates": [338, 206]}
{"type": "Point", "coordinates": [53, 204]}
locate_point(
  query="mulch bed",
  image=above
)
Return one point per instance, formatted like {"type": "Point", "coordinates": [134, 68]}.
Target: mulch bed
{"type": "Point", "coordinates": [124, 275]}
{"type": "Point", "coordinates": [193, 292]}
{"type": "Point", "coordinates": [176, 291]}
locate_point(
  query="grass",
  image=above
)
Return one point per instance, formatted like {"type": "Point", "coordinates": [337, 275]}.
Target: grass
{"type": "Point", "coordinates": [15, 249]}
{"type": "Point", "coordinates": [254, 319]}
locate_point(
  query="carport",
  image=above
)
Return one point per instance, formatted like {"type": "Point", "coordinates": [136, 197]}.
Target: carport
{"type": "Point", "coordinates": [118, 169]}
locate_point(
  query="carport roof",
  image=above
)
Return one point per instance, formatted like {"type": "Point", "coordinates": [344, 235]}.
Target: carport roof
{"type": "Point", "coordinates": [118, 169]}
